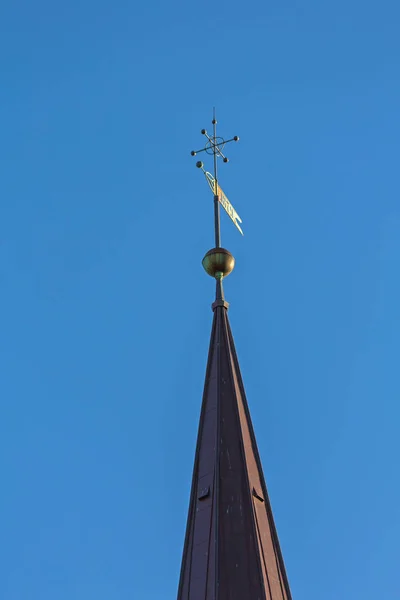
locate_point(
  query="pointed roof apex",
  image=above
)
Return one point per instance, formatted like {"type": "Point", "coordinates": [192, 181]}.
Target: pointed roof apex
{"type": "Point", "coordinates": [231, 549]}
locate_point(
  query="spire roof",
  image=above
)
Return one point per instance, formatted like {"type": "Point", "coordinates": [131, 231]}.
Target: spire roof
{"type": "Point", "coordinates": [231, 549]}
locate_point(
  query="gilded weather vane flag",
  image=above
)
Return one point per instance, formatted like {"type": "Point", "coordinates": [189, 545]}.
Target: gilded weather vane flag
{"type": "Point", "coordinates": [217, 191]}
{"type": "Point", "coordinates": [214, 146]}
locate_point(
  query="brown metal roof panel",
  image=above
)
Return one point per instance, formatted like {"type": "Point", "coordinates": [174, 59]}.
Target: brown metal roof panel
{"type": "Point", "coordinates": [231, 548]}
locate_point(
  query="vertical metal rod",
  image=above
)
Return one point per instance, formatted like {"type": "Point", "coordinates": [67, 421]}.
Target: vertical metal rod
{"type": "Point", "coordinates": [216, 222]}
{"type": "Point", "coordinates": [216, 203]}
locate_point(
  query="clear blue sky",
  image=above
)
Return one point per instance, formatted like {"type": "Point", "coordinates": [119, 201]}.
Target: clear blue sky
{"type": "Point", "coordinates": [106, 310]}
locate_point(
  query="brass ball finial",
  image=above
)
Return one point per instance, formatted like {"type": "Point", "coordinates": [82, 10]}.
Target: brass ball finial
{"type": "Point", "coordinates": [218, 263]}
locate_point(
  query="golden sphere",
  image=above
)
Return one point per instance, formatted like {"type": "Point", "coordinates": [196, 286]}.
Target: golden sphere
{"type": "Point", "coordinates": [218, 262]}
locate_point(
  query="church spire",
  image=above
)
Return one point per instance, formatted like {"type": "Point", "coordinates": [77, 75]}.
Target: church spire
{"type": "Point", "coordinates": [231, 549]}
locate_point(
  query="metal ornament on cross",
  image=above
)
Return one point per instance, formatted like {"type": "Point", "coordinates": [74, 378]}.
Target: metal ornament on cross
{"type": "Point", "coordinates": [215, 145]}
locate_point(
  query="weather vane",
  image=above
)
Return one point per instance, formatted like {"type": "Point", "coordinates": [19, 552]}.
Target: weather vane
{"type": "Point", "coordinates": [215, 146]}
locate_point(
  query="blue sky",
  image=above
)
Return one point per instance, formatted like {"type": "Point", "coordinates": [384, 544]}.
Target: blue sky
{"type": "Point", "coordinates": [106, 309]}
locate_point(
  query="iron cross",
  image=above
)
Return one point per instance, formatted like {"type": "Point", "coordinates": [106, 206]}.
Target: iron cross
{"type": "Point", "coordinates": [215, 145]}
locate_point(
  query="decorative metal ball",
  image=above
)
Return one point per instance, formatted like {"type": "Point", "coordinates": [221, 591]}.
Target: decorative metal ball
{"type": "Point", "coordinates": [193, 153]}
{"type": "Point", "coordinates": [199, 164]}
{"type": "Point", "coordinates": [203, 131]}
{"type": "Point", "coordinates": [226, 159]}
{"type": "Point", "coordinates": [218, 262]}
{"type": "Point", "coordinates": [236, 138]}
